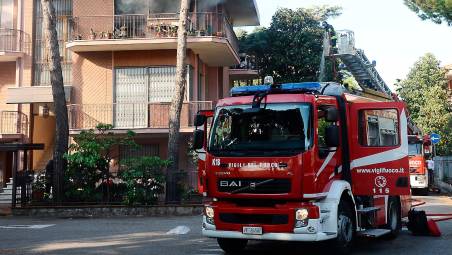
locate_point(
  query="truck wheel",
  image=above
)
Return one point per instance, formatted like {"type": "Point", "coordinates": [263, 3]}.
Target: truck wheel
{"type": "Point", "coordinates": [345, 228]}
{"type": "Point", "coordinates": [232, 246]}
{"type": "Point", "coordinates": [394, 219]}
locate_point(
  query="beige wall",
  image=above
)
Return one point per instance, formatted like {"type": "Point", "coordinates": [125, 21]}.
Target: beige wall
{"type": "Point", "coordinates": [93, 71]}
{"type": "Point", "coordinates": [44, 132]}
{"type": "Point", "coordinates": [92, 78]}
{"type": "Point", "coordinates": [7, 79]}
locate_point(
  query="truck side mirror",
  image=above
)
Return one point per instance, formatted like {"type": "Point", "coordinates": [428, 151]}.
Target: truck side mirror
{"type": "Point", "coordinates": [331, 114]}
{"type": "Point", "coordinates": [198, 139]}
{"type": "Point", "coordinates": [200, 120]}
{"type": "Point", "coordinates": [332, 136]}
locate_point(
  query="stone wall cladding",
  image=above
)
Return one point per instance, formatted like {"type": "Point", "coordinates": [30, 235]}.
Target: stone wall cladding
{"type": "Point", "coordinates": [111, 211]}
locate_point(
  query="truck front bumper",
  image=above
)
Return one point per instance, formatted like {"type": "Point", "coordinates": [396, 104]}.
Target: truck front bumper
{"type": "Point", "coordinates": [310, 233]}
{"type": "Point", "coordinates": [268, 236]}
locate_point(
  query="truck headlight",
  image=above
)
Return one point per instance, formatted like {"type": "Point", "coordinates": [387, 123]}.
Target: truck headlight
{"type": "Point", "coordinates": [301, 218]}
{"type": "Point", "coordinates": [301, 214]}
{"type": "Point", "coordinates": [209, 212]}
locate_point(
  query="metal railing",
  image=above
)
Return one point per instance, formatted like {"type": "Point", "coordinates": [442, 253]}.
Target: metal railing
{"type": "Point", "coordinates": [247, 62]}
{"type": "Point", "coordinates": [131, 116]}
{"type": "Point", "coordinates": [13, 40]}
{"type": "Point", "coordinates": [153, 26]}
{"type": "Point", "coordinates": [13, 122]}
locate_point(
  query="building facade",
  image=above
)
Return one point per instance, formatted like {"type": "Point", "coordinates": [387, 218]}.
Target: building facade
{"type": "Point", "coordinates": [118, 60]}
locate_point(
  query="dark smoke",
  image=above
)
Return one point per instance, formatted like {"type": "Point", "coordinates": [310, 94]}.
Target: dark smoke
{"type": "Point", "coordinates": [160, 6]}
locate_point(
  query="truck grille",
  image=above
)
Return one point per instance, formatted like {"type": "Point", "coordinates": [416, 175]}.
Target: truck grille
{"type": "Point", "coordinates": [254, 186]}
{"type": "Point", "coordinates": [265, 219]}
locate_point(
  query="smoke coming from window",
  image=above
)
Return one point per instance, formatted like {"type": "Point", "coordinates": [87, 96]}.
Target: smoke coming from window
{"type": "Point", "coordinates": [161, 6]}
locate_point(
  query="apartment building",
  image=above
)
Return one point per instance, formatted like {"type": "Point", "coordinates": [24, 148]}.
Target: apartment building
{"type": "Point", "coordinates": [15, 71]}
{"type": "Point", "coordinates": [118, 59]}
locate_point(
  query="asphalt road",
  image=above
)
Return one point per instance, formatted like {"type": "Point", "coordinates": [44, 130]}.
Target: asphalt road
{"type": "Point", "coordinates": [149, 236]}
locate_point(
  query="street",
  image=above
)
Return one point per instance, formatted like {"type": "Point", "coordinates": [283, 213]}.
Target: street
{"type": "Point", "coordinates": [149, 236]}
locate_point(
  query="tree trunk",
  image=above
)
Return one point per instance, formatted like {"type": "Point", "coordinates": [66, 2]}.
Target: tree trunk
{"type": "Point", "coordinates": [176, 104]}
{"type": "Point", "coordinates": [59, 99]}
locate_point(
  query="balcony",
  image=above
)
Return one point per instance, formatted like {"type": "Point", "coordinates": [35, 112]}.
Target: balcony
{"type": "Point", "coordinates": [13, 44]}
{"type": "Point", "coordinates": [142, 118]}
{"type": "Point", "coordinates": [13, 126]}
{"type": "Point", "coordinates": [246, 70]}
{"type": "Point", "coordinates": [209, 34]}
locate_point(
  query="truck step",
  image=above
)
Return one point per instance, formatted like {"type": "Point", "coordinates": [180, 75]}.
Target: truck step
{"type": "Point", "coordinates": [374, 233]}
{"type": "Point", "coordinates": [366, 210]}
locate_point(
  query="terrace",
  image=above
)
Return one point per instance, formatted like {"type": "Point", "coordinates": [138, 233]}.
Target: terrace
{"type": "Point", "coordinates": [210, 34]}
{"type": "Point", "coordinates": [13, 44]}
{"type": "Point", "coordinates": [13, 126]}
{"type": "Point", "coordinates": [141, 117]}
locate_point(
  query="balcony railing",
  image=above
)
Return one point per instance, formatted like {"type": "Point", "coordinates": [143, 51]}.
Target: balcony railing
{"type": "Point", "coordinates": [131, 116]}
{"type": "Point", "coordinates": [153, 26]}
{"type": "Point", "coordinates": [13, 40]}
{"type": "Point", "coordinates": [246, 63]}
{"type": "Point", "coordinates": [12, 122]}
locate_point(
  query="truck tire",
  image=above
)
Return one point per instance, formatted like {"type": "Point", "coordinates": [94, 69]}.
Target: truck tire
{"type": "Point", "coordinates": [394, 218]}
{"type": "Point", "coordinates": [232, 246]}
{"type": "Point", "coordinates": [345, 228]}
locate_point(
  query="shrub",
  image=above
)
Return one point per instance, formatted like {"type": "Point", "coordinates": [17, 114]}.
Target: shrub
{"type": "Point", "coordinates": [144, 178]}
{"type": "Point", "coordinates": [87, 177]}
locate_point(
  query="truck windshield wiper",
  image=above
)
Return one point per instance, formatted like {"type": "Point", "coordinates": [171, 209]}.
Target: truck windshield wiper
{"type": "Point", "coordinates": [249, 186]}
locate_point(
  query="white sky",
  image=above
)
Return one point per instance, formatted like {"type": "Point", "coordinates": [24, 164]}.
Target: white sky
{"type": "Point", "coordinates": [386, 30]}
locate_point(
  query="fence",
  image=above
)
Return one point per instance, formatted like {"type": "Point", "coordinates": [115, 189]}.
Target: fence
{"type": "Point", "coordinates": [443, 168]}
{"type": "Point", "coordinates": [128, 115]}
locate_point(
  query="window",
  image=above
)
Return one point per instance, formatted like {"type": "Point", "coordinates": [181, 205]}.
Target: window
{"type": "Point", "coordinates": [145, 7]}
{"type": "Point", "coordinates": [379, 128]}
{"type": "Point", "coordinates": [6, 13]}
{"type": "Point", "coordinates": [279, 128]}
{"type": "Point", "coordinates": [63, 11]}
{"type": "Point", "coordinates": [414, 149]}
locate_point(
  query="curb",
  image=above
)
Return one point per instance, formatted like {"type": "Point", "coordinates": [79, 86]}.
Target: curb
{"type": "Point", "coordinates": [445, 187]}
{"type": "Point", "coordinates": [108, 211]}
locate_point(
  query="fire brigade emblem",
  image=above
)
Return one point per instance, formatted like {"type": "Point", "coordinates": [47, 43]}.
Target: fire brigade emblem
{"type": "Point", "coordinates": [380, 181]}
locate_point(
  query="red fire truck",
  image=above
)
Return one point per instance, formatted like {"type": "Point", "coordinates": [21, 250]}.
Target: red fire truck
{"type": "Point", "coordinates": [419, 150]}
{"type": "Point", "coordinates": [302, 162]}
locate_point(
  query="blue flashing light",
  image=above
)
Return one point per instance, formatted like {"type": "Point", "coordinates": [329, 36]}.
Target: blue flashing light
{"type": "Point", "coordinates": [286, 87]}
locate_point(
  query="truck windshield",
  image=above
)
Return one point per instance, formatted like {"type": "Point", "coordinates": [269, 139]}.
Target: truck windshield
{"type": "Point", "coordinates": [414, 149]}
{"type": "Point", "coordinates": [279, 129]}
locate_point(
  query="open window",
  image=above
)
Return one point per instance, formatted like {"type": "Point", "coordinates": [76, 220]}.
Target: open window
{"type": "Point", "coordinates": [327, 129]}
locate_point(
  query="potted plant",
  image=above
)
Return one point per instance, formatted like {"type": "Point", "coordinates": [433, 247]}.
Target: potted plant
{"type": "Point", "coordinates": [92, 34]}
{"type": "Point", "coordinates": [38, 187]}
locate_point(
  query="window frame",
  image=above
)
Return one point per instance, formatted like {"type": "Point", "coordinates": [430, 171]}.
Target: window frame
{"type": "Point", "coordinates": [362, 128]}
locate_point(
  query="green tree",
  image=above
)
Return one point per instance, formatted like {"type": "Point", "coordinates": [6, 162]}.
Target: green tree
{"type": "Point", "coordinates": [290, 49]}
{"type": "Point", "coordinates": [425, 92]}
{"type": "Point", "coordinates": [87, 177]}
{"type": "Point", "coordinates": [438, 11]}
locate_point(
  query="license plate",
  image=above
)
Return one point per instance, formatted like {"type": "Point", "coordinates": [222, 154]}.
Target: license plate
{"type": "Point", "coordinates": [252, 230]}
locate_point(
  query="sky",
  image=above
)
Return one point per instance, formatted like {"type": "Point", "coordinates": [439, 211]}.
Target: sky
{"type": "Point", "coordinates": [387, 31]}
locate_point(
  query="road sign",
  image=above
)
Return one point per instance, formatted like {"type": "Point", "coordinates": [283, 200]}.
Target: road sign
{"type": "Point", "coordinates": [435, 138]}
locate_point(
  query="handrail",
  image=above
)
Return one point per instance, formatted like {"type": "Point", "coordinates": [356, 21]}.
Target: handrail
{"type": "Point", "coordinates": [131, 115]}
{"type": "Point", "coordinates": [14, 40]}
{"type": "Point", "coordinates": [13, 122]}
{"type": "Point", "coordinates": [152, 26]}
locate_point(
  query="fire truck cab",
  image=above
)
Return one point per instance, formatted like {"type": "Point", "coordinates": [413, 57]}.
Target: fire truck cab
{"type": "Point", "coordinates": [302, 162]}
